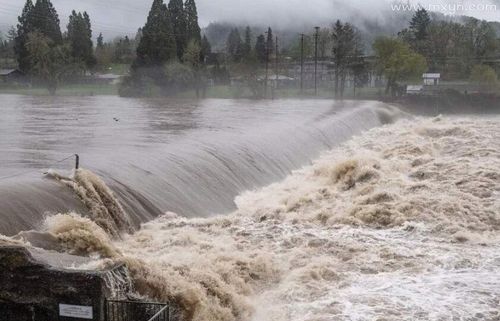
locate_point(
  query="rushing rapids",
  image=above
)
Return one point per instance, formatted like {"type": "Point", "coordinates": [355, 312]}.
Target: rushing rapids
{"type": "Point", "coordinates": [399, 223]}
{"type": "Point", "coordinates": [191, 158]}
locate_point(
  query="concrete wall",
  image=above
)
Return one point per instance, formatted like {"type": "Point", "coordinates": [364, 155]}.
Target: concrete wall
{"type": "Point", "coordinates": [32, 291]}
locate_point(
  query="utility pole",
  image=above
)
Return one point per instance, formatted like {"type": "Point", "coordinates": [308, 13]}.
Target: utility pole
{"type": "Point", "coordinates": [301, 63]}
{"type": "Point", "coordinates": [316, 36]}
{"type": "Point", "coordinates": [277, 62]}
{"type": "Point", "coordinates": [267, 67]}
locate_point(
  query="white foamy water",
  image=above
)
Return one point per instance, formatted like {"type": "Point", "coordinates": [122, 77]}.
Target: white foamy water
{"type": "Point", "coordinates": [400, 223]}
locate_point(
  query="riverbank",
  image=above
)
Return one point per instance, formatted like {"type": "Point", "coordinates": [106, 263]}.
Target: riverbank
{"type": "Point", "coordinates": [448, 103]}
{"type": "Point", "coordinates": [214, 92]}
{"type": "Point", "coordinates": [66, 90]}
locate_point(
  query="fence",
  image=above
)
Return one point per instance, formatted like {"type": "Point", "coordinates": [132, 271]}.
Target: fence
{"type": "Point", "coordinates": [137, 311]}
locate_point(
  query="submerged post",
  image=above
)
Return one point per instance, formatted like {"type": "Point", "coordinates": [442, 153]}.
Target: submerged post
{"type": "Point", "coordinates": [77, 161]}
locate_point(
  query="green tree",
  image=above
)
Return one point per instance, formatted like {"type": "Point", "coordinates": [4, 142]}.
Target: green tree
{"type": "Point", "coordinates": [484, 75]}
{"type": "Point", "coordinates": [179, 24]}
{"type": "Point", "coordinates": [192, 58]}
{"type": "Point", "coordinates": [7, 55]}
{"type": "Point", "coordinates": [324, 43]}
{"type": "Point", "coordinates": [102, 52]}
{"type": "Point", "coordinates": [417, 35]}
{"type": "Point", "coordinates": [193, 30]}
{"type": "Point", "coordinates": [178, 76]}
{"type": "Point", "coordinates": [41, 17]}
{"type": "Point", "coordinates": [138, 36]}
{"type": "Point", "coordinates": [24, 27]}
{"type": "Point", "coordinates": [46, 21]}
{"type": "Point", "coordinates": [234, 46]}
{"type": "Point", "coordinates": [80, 38]}
{"type": "Point", "coordinates": [397, 62]}
{"type": "Point", "coordinates": [419, 25]}
{"type": "Point", "coordinates": [445, 52]}
{"type": "Point", "coordinates": [100, 41]}
{"type": "Point", "coordinates": [206, 49]}
{"type": "Point", "coordinates": [123, 50]}
{"type": "Point", "coordinates": [481, 39]}
{"type": "Point", "coordinates": [295, 49]}
{"type": "Point", "coordinates": [157, 45]}
{"type": "Point", "coordinates": [345, 50]}
{"type": "Point", "coordinates": [260, 49]}
{"type": "Point", "coordinates": [360, 73]}
{"type": "Point", "coordinates": [247, 45]}
{"type": "Point", "coordinates": [50, 62]}
{"type": "Point", "coordinates": [270, 42]}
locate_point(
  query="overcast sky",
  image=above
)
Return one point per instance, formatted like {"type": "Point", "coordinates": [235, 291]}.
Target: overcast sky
{"type": "Point", "coordinates": [116, 17]}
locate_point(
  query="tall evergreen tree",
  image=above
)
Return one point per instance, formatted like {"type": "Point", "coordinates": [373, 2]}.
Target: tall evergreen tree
{"type": "Point", "coordinates": [234, 45]}
{"type": "Point", "coordinates": [138, 35]}
{"type": "Point", "coordinates": [46, 21]}
{"type": "Point", "coordinates": [124, 50]}
{"type": "Point", "coordinates": [260, 48]}
{"type": "Point", "coordinates": [80, 38]}
{"type": "Point", "coordinates": [193, 30]}
{"type": "Point", "coordinates": [100, 41]}
{"type": "Point", "coordinates": [24, 27]}
{"type": "Point", "coordinates": [247, 45]}
{"type": "Point", "coordinates": [346, 50]}
{"type": "Point", "coordinates": [417, 35]}
{"type": "Point", "coordinates": [41, 17]}
{"type": "Point", "coordinates": [157, 45]}
{"type": "Point", "coordinates": [270, 41]}
{"type": "Point", "coordinates": [100, 51]}
{"type": "Point", "coordinates": [419, 24]}
{"type": "Point", "coordinates": [206, 49]}
{"type": "Point", "coordinates": [179, 24]}
{"type": "Point", "coordinates": [50, 63]}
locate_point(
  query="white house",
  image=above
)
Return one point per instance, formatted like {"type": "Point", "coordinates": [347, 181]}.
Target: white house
{"type": "Point", "coordinates": [431, 79]}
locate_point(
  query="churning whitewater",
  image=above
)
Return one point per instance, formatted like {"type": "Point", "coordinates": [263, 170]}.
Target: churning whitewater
{"type": "Point", "coordinates": [399, 223]}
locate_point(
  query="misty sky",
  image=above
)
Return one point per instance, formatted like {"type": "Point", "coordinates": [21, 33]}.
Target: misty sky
{"type": "Point", "coordinates": [118, 17]}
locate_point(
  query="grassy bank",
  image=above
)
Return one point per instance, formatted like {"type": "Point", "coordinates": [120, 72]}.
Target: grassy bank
{"type": "Point", "coordinates": [69, 90]}
{"type": "Point", "coordinates": [228, 92]}
{"type": "Point", "coordinates": [220, 92]}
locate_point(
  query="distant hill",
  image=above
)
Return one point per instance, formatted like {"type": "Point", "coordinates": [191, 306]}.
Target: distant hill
{"type": "Point", "coordinates": [389, 24]}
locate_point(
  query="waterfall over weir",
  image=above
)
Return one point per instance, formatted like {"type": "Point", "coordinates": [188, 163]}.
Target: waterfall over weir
{"type": "Point", "coordinates": [190, 158]}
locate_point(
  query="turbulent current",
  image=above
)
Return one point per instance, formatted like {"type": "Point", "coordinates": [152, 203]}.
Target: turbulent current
{"type": "Point", "coordinates": [401, 222]}
{"type": "Point", "coordinates": [189, 157]}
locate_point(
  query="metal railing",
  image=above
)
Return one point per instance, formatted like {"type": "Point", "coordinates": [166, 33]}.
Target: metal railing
{"type": "Point", "coordinates": [116, 310]}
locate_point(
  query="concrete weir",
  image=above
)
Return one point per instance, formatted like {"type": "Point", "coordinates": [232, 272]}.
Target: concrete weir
{"type": "Point", "coordinates": [36, 285]}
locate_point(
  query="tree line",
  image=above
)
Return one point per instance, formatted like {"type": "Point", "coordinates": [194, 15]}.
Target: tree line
{"type": "Point", "coordinates": [170, 52]}
{"type": "Point", "coordinates": [459, 49]}
{"type": "Point", "coordinates": [466, 50]}
{"type": "Point", "coordinates": [43, 52]}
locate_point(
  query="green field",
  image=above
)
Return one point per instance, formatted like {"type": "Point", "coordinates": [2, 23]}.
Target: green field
{"type": "Point", "coordinates": [221, 92]}
{"type": "Point", "coordinates": [70, 90]}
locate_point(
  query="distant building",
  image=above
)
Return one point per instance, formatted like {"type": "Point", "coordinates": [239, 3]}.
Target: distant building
{"type": "Point", "coordinates": [414, 89]}
{"type": "Point", "coordinates": [431, 79]}
{"type": "Point", "coordinates": [109, 79]}
{"type": "Point", "coordinates": [12, 75]}
{"type": "Point", "coordinates": [280, 81]}
{"type": "Point", "coordinates": [326, 74]}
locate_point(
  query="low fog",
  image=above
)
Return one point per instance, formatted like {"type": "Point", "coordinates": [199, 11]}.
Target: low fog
{"type": "Point", "coordinates": [118, 17]}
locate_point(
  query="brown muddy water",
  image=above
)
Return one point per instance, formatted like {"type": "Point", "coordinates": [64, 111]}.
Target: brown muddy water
{"type": "Point", "coordinates": [284, 210]}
